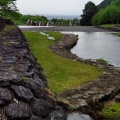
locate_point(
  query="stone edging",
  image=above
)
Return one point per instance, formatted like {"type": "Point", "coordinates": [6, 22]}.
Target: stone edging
{"type": "Point", "coordinates": [88, 98]}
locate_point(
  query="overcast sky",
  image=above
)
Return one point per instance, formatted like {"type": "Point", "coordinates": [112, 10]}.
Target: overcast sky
{"type": "Point", "coordinates": [53, 7]}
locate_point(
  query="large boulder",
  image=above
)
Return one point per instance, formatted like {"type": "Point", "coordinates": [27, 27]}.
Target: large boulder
{"type": "Point", "coordinates": [16, 111]}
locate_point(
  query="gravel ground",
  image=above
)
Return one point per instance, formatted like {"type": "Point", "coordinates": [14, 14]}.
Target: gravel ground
{"type": "Point", "coordinates": [65, 28]}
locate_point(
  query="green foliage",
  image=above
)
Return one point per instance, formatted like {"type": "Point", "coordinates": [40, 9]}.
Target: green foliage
{"type": "Point", "coordinates": [64, 22]}
{"type": "Point", "coordinates": [88, 12]}
{"type": "Point", "coordinates": [108, 25]}
{"type": "Point", "coordinates": [118, 34]}
{"type": "Point", "coordinates": [111, 112]}
{"type": "Point", "coordinates": [9, 10]}
{"type": "Point", "coordinates": [110, 14]}
{"type": "Point", "coordinates": [102, 61]}
{"type": "Point", "coordinates": [62, 73]}
{"type": "Point", "coordinates": [98, 18]}
{"type": "Point", "coordinates": [20, 19]}
{"type": "Point", "coordinates": [105, 3]}
{"type": "Point", "coordinates": [117, 2]}
{"type": "Point", "coordinates": [57, 22]}
{"type": "Point", "coordinates": [25, 18]}
{"type": "Point", "coordinates": [70, 108]}
{"type": "Point", "coordinates": [7, 7]}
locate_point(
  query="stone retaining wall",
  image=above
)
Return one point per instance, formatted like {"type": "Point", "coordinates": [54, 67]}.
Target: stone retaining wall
{"type": "Point", "coordinates": [24, 93]}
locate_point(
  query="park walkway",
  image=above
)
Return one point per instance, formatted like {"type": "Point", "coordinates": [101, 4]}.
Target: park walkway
{"type": "Point", "coordinates": [64, 28]}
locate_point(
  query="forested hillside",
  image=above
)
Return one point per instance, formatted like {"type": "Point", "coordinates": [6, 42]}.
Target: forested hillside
{"type": "Point", "coordinates": [105, 3]}
{"type": "Point", "coordinates": [108, 15]}
{"type": "Point", "coordinates": [117, 2]}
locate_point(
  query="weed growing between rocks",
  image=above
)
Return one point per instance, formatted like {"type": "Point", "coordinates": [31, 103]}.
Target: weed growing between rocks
{"type": "Point", "coordinates": [111, 111]}
{"type": "Point", "coordinates": [101, 61]}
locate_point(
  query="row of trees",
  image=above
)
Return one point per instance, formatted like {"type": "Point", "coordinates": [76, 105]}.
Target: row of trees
{"type": "Point", "coordinates": [53, 22]}
{"type": "Point", "coordinates": [8, 9]}
{"type": "Point", "coordinates": [93, 16]}
{"type": "Point", "coordinates": [110, 14]}
{"type": "Point", "coordinates": [104, 4]}
{"type": "Point", "coordinates": [34, 18]}
{"type": "Point", "coordinates": [43, 21]}
{"type": "Point", "coordinates": [64, 22]}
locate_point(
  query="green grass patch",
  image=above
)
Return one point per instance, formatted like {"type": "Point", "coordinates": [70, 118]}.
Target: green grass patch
{"type": "Point", "coordinates": [101, 60]}
{"type": "Point", "coordinates": [62, 73]}
{"type": "Point", "coordinates": [118, 33]}
{"type": "Point", "coordinates": [111, 111]}
{"type": "Point", "coordinates": [108, 25]}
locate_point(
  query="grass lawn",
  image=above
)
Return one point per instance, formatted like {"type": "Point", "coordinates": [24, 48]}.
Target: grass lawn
{"type": "Point", "coordinates": [111, 111]}
{"type": "Point", "coordinates": [62, 73]}
{"type": "Point", "coordinates": [108, 25]}
{"type": "Point", "coordinates": [118, 33]}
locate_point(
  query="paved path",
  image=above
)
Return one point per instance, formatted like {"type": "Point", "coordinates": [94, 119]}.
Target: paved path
{"type": "Point", "coordinates": [66, 28]}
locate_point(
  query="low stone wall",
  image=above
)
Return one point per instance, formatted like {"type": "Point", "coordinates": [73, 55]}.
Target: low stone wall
{"type": "Point", "coordinates": [89, 98]}
{"type": "Point", "coordinates": [24, 93]}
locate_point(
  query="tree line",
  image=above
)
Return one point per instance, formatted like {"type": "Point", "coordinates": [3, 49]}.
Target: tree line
{"type": "Point", "coordinates": [104, 4]}
{"type": "Point", "coordinates": [43, 21]}
{"type": "Point", "coordinates": [93, 15]}
{"type": "Point", "coordinates": [106, 12]}
{"type": "Point", "coordinates": [9, 10]}
{"type": "Point", "coordinates": [108, 15]}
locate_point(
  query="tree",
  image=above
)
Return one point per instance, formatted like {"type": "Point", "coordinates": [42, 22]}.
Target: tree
{"type": "Point", "coordinates": [110, 14]}
{"type": "Point", "coordinates": [7, 7]}
{"type": "Point", "coordinates": [97, 18]}
{"type": "Point", "coordinates": [88, 12]}
{"type": "Point", "coordinates": [105, 3]}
